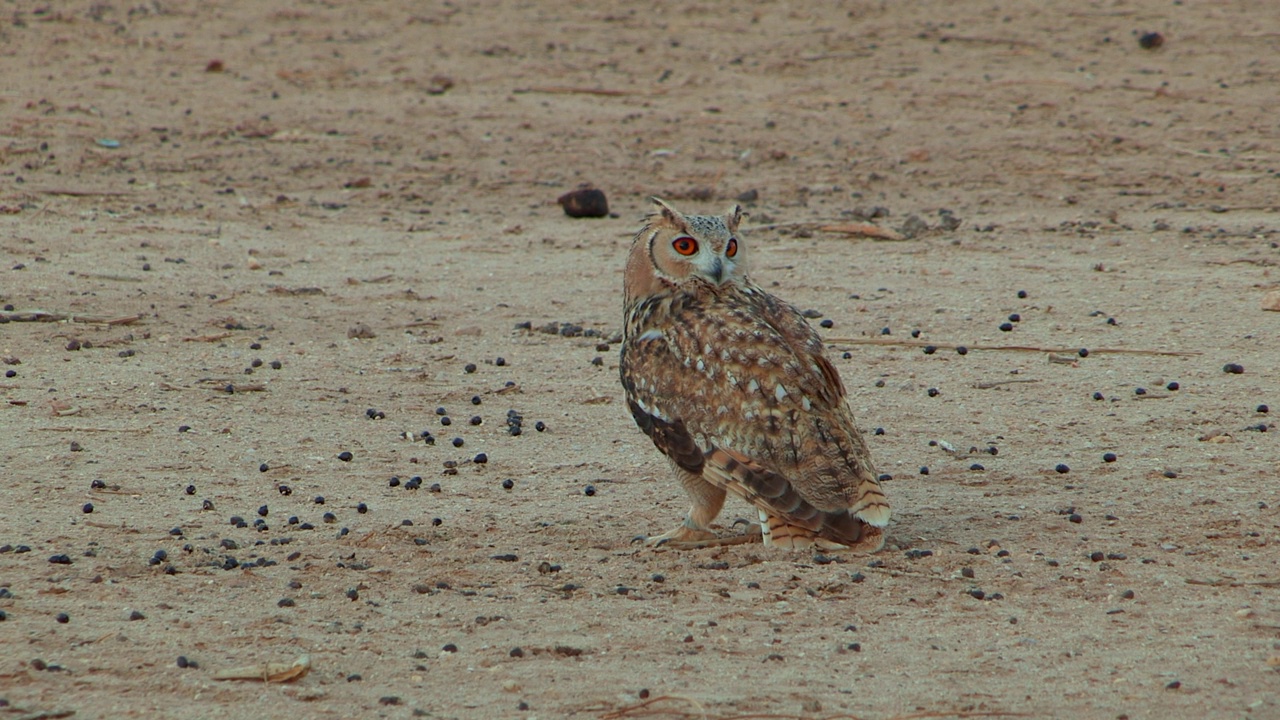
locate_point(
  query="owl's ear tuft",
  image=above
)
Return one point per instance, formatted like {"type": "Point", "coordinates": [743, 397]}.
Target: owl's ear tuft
{"type": "Point", "coordinates": [733, 217]}
{"type": "Point", "coordinates": [670, 214]}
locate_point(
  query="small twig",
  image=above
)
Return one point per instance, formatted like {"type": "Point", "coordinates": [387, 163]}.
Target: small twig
{"type": "Point", "coordinates": [987, 40]}
{"type": "Point", "coordinates": [94, 429]}
{"type": "Point", "coordinates": [84, 193]}
{"type": "Point", "coordinates": [566, 90]}
{"type": "Point", "coordinates": [1010, 348]}
{"type": "Point", "coordinates": [998, 383]}
{"type": "Point", "coordinates": [207, 338]}
{"type": "Point", "coordinates": [42, 316]}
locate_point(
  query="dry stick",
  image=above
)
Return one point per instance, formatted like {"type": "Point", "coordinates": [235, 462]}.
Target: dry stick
{"type": "Point", "coordinates": [42, 316]}
{"type": "Point", "coordinates": [1011, 348]}
{"type": "Point", "coordinates": [998, 383]}
{"type": "Point", "coordinates": [630, 711]}
{"type": "Point", "coordinates": [566, 90]}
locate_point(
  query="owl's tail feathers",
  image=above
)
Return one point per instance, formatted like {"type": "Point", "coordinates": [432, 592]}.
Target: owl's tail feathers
{"type": "Point", "coordinates": [787, 519]}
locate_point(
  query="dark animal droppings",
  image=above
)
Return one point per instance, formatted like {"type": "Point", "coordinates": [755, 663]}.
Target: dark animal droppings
{"type": "Point", "coordinates": [584, 203]}
{"type": "Point", "coordinates": [345, 456]}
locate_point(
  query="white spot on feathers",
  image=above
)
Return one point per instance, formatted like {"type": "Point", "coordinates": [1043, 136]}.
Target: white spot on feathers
{"type": "Point", "coordinates": [779, 392]}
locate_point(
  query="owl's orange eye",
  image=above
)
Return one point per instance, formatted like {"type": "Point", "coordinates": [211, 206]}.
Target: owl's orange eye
{"type": "Point", "coordinates": [685, 245]}
{"type": "Point", "coordinates": [732, 248]}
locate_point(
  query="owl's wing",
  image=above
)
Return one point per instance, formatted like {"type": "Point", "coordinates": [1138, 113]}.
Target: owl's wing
{"type": "Point", "coordinates": [745, 374]}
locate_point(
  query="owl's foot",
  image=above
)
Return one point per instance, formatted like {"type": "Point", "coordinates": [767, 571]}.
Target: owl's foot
{"type": "Point", "coordinates": [684, 537]}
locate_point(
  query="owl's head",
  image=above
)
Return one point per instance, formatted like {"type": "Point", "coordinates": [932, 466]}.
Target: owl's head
{"type": "Point", "coordinates": [672, 248]}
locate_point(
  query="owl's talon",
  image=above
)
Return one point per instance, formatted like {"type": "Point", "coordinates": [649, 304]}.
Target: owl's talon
{"type": "Point", "coordinates": [639, 539]}
{"type": "Point", "coordinates": [742, 521]}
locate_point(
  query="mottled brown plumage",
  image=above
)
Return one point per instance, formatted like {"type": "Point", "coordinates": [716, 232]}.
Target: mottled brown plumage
{"type": "Point", "coordinates": [731, 384]}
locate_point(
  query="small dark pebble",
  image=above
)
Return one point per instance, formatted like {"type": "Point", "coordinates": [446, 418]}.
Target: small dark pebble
{"type": "Point", "coordinates": [924, 469]}
{"type": "Point", "coordinates": [930, 349]}
{"type": "Point", "coordinates": [1170, 474]}
{"type": "Point", "coordinates": [884, 477]}
{"type": "Point", "coordinates": [966, 572]}
{"type": "Point", "coordinates": [10, 373]}
{"type": "Point", "coordinates": [962, 350]}
{"type": "Point", "coordinates": [436, 522]}
{"type": "Point", "coordinates": [540, 426]}
{"type": "Point", "coordinates": [885, 331]}
{"type": "Point", "coordinates": [319, 500]}
{"type": "Point", "coordinates": [262, 511]}
{"type": "Point", "coordinates": [329, 517]}
{"type": "Point", "coordinates": [135, 615]}
{"type": "Point", "coordinates": [190, 490]}
{"type": "Point", "coordinates": [508, 484]}
{"type": "Point", "coordinates": [828, 323]}
{"type": "Point", "coordinates": [1062, 468]}
{"type": "Point", "coordinates": [97, 485]}
{"type": "Point", "coordinates": [1262, 409]}
{"type": "Point", "coordinates": [1075, 518]}
{"type": "Point", "coordinates": [353, 594]}
{"type": "Point", "coordinates": [1022, 294]}
{"type": "Point", "coordinates": [1233, 368]}
{"type": "Point", "coordinates": [276, 364]}
{"type": "Point", "coordinates": [1173, 386]}
{"type": "Point", "coordinates": [516, 652]}
{"type": "Point", "coordinates": [993, 450]}
{"type": "Point", "coordinates": [475, 420]}
{"type": "Point", "coordinates": [878, 431]}
{"type": "Point", "coordinates": [977, 594]}
{"type": "Point", "coordinates": [87, 508]}
{"type": "Point", "coordinates": [285, 490]}
{"type": "Point", "coordinates": [847, 355]}
{"type": "Point", "coordinates": [355, 677]}
{"type": "Point", "coordinates": [450, 647]}
{"type": "Point", "coordinates": [1139, 391]}
{"type": "Point", "coordinates": [183, 662]}
{"type": "Point", "coordinates": [977, 467]}
{"type": "Point", "coordinates": [500, 361]}
{"type": "Point", "coordinates": [1006, 327]}
{"type": "Point", "coordinates": [446, 421]}
{"type": "Point", "coordinates": [1083, 352]}
{"type": "Point", "coordinates": [345, 456]}
{"type": "Point", "coordinates": [589, 490]}
{"type": "Point", "coordinates": [933, 392]}
{"type": "Point", "coordinates": [475, 400]}
{"type": "Point", "coordinates": [60, 559]}
{"type": "Point", "coordinates": [1127, 595]}
{"type": "Point", "coordinates": [256, 362]}
{"type": "Point", "coordinates": [457, 442]}
{"type": "Point", "coordinates": [597, 361]}
{"type": "Point", "coordinates": [388, 700]}
{"type": "Point", "coordinates": [480, 459]}
{"type": "Point", "coordinates": [1150, 40]}
{"type": "Point", "coordinates": [1097, 556]}
{"type": "Point", "coordinates": [184, 428]}
{"type": "Point", "coordinates": [62, 618]}
{"type": "Point", "coordinates": [915, 333]}
{"type": "Point", "coordinates": [1015, 318]}
{"type": "Point", "coordinates": [1112, 321]}
{"type": "Point", "coordinates": [914, 554]}
{"type": "Point", "coordinates": [362, 508]}
{"type": "Point", "coordinates": [1173, 685]}
{"type": "Point", "coordinates": [285, 602]}
{"type": "Point", "coordinates": [394, 481]}
{"type": "Point", "coordinates": [469, 368]}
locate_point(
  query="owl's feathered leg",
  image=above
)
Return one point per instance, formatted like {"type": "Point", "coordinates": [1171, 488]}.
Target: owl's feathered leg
{"type": "Point", "coordinates": [707, 502]}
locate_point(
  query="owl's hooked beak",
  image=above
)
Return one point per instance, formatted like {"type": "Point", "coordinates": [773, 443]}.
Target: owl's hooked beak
{"type": "Point", "coordinates": [716, 271]}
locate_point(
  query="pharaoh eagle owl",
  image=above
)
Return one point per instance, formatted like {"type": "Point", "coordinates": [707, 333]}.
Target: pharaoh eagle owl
{"type": "Point", "coordinates": [731, 384]}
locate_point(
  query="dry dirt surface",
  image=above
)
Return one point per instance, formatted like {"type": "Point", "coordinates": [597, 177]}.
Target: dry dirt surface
{"type": "Point", "coordinates": [244, 238]}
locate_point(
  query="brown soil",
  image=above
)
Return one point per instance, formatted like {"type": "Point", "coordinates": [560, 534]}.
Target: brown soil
{"type": "Point", "coordinates": [365, 192]}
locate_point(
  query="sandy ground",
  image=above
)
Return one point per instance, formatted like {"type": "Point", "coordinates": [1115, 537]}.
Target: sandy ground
{"type": "Point", "coordinates": [364, 195]}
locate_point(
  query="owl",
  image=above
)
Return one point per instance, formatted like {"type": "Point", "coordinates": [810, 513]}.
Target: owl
{"type": "Point", "coordinates": [731, 384]}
